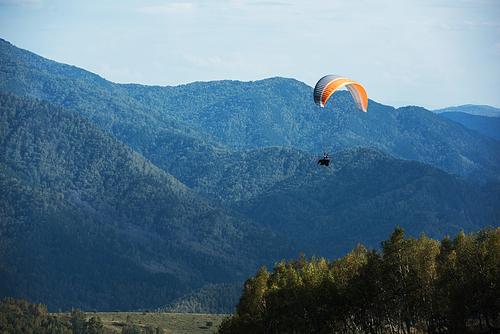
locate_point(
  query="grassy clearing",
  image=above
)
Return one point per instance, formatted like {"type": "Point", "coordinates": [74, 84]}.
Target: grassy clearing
{"type": "Point", "coordinates": [171, 323]}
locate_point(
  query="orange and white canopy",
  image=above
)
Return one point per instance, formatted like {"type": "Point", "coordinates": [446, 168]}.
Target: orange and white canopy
{"type": "Point", "coordinates": [327, 85]}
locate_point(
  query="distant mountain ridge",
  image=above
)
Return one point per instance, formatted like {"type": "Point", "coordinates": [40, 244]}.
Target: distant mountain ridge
{"type": "Point", "coordinates": [486, 125]}
{"type": "Point", "coordinates": [472, 109]}
{"type": "Point", "coordinates": [483, 119]}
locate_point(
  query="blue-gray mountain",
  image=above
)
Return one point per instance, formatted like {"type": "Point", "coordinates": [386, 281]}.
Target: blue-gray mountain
{"type": "Point", "coordinates": [488, 126]}
{"type": "Point", "coordinates": [88, 222]}
{"type": "Point", "coordinates": [204, 183]}
{"type": "Point", "coordinates": [246, 115]}
{"type": "Point", "coordinates": [471, 109]}
{"type": "Point", "coordinates": [483, 119]}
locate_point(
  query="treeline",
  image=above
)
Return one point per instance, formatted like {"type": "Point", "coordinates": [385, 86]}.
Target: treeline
{"type": "Point", "coordinates": [409, 286]}
{"type": "Point", "coordinates": [21, 317]}
{"type": "Point", "coordinates": [211, 299]}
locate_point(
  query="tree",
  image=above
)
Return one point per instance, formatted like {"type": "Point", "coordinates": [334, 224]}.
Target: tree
{"type": "Point", "coordinates": [410, 286]}
{"type": "Point", "coordinates": [78, 321]}
{"type": "Point", "coordinates": [252, 308]}
{"type": "Point", "coordinates": [365, 294]}
{"type": "Point", "coordinates": [130, 328]}
{"type": "Point", "coordinates": [489, 296]}
{"type": "Point", "coordinates": [422, 281]}
{"type": "Point", "coordinates": [95, 325]}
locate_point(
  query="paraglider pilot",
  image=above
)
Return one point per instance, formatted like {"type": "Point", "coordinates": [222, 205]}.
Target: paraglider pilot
{"type": "Point", "coordinates": [325, 161]}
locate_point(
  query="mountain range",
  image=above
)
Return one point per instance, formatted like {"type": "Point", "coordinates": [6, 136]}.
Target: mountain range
{"type": "Point", "coordinates": [125, 196]}
{"type": "Point", "coordinates": [471, 109]}
{"type": "Point", "coordinates": [483, 119]}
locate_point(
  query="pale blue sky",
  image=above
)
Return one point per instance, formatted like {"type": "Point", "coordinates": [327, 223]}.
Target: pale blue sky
{"type": "Point", "coordinates": [431, 53]}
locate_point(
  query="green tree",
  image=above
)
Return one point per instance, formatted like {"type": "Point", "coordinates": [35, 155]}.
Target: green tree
{"type": "Point", "coordinates": [408, 274]}
{"type": "Point", "coordinates": [53, 325]}
{"type": "Point", "coordinates": [252, 308]}
{"type": "Point", "coordinates": [78, 321]}
{"type": "Point", "coordinates": [95, 325]}
{"type": "Point", "coordinates": [19, 317]}
{"type": "Point", "coordinates": [422, 282]}
{"type": "Point", "coordinates": [410, 286]}
{"type": "Point", "coordinates": [365, 307]}
{"type": "Point", "coordinates": [489, 278]}
{"type": "Point", "coordinates": [468, 281]}
{"type": "Point", "coordinates": [130, 328]}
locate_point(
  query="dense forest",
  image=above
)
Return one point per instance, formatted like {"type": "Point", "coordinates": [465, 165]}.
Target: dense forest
{"type": "Point", "coordinates": [487, 125]}
{"type": "Point", "coordinates": [362, 196]}
{"type": "Point", "coordinates": [212, 298]}
{"type": "Point", "coordinates": [20, 317]}
{"type": "Point", "coordinates": [88, 222]}
{"type": "Point", "coordinates": [409, 286]}
{"type": "Point", "coordinates": [134, 197]}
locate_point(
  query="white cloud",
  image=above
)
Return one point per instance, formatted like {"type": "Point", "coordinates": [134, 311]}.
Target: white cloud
{"type": "Point", "coordinates": [23, 3]}
{"type": "Point", "coordinates": [171, 8]}
{"type": "Point", "coordinates": [496, 49]}
{"type": "Point", "coordinates": [122, 75]}
{"type": "Point", "coordinates": [268, 3]}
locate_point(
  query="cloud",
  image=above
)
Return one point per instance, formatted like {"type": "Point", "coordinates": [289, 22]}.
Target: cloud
{"type": "Point", "coordinates": [268, 3]}
{"type": "Point", "coordinates": [23, 3]}
{"type": "Point", "coordinates": [212, 61]}
{"type": "Point", "coordinates": [171, 8]}
{"type": "Point", "coordinates": [123, 75]}
{"type": "Point", "coordinates": [496, 49]}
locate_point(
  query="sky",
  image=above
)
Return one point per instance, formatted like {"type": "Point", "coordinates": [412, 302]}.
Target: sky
{"type": "Point", "coordinates": [429, 53]}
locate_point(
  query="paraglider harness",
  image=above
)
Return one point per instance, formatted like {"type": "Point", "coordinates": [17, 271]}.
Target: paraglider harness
{"type": "Point", "coordinates": [325, 161]}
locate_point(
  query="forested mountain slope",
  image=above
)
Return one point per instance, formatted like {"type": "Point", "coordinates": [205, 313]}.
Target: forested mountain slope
{"type": "Point", "coordinates": [246, 115]}
{"type": "Point", "coordinates": [487, 125]}
{"type": "Point", "coordinates": [88, 222]}
{"type": "Point", "coordinates": [212, 298]}
{"type": "Point", "coordinates": [362, 196]}
{"type": "Point", "coordinates": [87, 94]}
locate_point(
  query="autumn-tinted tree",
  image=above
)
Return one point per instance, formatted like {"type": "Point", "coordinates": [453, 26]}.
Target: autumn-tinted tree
{"type": "Point", "coordinates": [20, 317]}
{"type": "Point", "coordinates": [78, 321]}
{"type": "Point", "coordinates": [468, 280]}
{"type": "Point", "coordinates": [409, 286]}
{"type": "Point", "coordinates": [95, 325]}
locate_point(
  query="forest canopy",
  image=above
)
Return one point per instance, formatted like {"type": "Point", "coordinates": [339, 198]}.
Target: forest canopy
{"type": "Point", "coordinates": [409, 286]}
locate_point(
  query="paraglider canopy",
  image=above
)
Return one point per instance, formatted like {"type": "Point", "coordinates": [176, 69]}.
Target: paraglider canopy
{"type": "Point", "coordinates": [327, 85]}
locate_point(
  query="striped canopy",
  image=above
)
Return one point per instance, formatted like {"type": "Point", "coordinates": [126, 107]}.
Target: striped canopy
{"type": "Point", "coordinates": [327, 85]}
